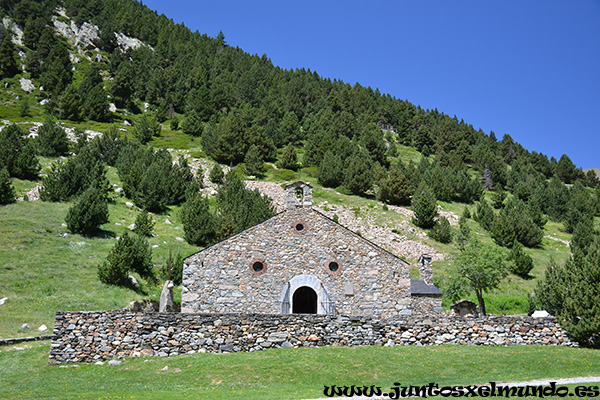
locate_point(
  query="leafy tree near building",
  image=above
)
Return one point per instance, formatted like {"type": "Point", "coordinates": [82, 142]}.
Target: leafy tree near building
{"type": "Point", "coordinates": [477, 268]}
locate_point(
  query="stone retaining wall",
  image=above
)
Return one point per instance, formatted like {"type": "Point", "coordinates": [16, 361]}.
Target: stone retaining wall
{"type": "Point", "coordinates": [103, 335]}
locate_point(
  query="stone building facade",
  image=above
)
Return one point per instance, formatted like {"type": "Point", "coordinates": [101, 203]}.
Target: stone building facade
{"type": "Point", "coordinates": [300, 261]}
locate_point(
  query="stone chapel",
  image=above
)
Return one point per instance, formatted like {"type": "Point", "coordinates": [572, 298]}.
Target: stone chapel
{"type": "Point", "coordinates": [301, 261]}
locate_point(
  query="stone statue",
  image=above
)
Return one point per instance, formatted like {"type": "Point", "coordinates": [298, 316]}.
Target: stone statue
{"type": "Point", "coordinates": [166, 297]}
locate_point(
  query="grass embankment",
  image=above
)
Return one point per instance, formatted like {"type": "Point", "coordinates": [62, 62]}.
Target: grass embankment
{"type": "Point", "coordinates": [284, 373]}
{"type": "Point", "coordinates": [44, 268]}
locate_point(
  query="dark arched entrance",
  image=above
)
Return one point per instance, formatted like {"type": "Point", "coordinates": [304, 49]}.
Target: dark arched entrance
{"type": "Point", "coordinates": [304, 301]}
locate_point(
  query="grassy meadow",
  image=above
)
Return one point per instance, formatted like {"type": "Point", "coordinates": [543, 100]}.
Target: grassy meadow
{"type": "Point", "coordinates": [283, 373]}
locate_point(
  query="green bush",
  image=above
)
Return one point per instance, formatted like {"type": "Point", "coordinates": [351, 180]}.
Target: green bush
{"type": "Point", "coordinates": [289, 158]}
{"type": "Point", "coordinates": [90, 211]}
{"type": "Point", "coordinates": [216, 174]}
{"type": "Point", "coordinates": [199, 225]}
{"type": "Point", "coordinates": [144, 224]}
{"type": "Point", "coordinates": [425, 207]}
{"type": "Point", "coordinates": [7, 191]}
{"type": "Point", "coordinates": [396, 189]}
{"type": "Point", "coordinates": [52, 139]}
{"type": "Point", "coordinates": [18, 154]}
{"type": "Point", "coordinates": [442, 231]}
{"type": "Point", "coordinates": [130, 253]}
{"type": "Point", "coordinates": [146, 128]}
{"type": "Point", "coordinates": [522, 263]}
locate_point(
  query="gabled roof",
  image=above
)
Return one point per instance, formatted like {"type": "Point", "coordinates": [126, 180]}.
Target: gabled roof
{"type": "Point", "coordinates": [419, 287]}
{"type": "Point", "coordinates": [318, 213]}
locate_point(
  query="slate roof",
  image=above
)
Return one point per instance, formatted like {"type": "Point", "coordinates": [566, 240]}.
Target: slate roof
{"type": "Point", "coordinates": [419, 287]}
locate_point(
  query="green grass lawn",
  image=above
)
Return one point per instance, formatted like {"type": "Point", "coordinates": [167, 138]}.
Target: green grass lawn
{"type": "Point", "coordinates": [283, 373]}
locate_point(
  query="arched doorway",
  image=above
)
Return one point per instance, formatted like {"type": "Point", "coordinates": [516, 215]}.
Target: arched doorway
{"type": "Point", "coordinates": [304, 301]}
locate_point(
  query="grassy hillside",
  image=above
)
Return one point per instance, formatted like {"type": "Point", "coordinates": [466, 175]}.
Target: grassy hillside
{"type": "Point", "coordinates": [285, 373]}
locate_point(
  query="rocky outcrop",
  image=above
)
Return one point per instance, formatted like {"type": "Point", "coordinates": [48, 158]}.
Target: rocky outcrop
{"type": "Point", "coordinates": [94, 336]}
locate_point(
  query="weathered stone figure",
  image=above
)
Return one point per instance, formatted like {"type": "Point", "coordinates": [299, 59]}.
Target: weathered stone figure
{"type": "Point", "coordinates": [166, 298]}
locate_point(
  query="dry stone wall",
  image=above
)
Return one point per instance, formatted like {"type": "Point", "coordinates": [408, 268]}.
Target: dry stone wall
{"type": "Point", "coordinates": [103, 335]}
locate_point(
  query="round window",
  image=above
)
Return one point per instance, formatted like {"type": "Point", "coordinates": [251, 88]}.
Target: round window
{"type": "Point", "coordinates": [299, 227]}
{"type": "Point", "coordinates": [334, 266]}
{"type": "Point", "coordinates": [258, 266]}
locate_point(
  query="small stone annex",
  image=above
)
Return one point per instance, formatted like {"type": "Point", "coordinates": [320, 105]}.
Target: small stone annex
{"type": "Point", "coordinates": [300, 261]}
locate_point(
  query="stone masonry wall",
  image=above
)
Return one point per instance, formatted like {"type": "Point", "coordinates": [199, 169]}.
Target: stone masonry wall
{"type": "Point", "coordinates": [103, 335]}
{"type": "Point", "coordinates": [369, 281]}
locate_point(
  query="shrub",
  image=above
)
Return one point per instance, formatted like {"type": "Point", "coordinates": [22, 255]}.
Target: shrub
{"type": "Point", "coordinates": [331, 170]}
{"type": "Point", "coordinates": [88, 213]}
{"type": "Point", "coordinates": [216, 174]}
{"type": "Point", "coordinates": [17, 154]}
{"type": "Point", "coordinates": [441, 231]}
{"type": "Point", "coordinates": [425, 207]}
{"type": "Point", "coordinates": [254, 162]}
{"type": "Point", "coordinates": [52, 139]}
{"type": "Point", "coordinates": [144, 224]}
{"type": "Point", "coordinates": [7, 191]}
{"type": "Point", "coordinates": [522, 263]}
{"type": "Point", "coordinates": [289, 158]}
{"type": "Point", "coordinates": [199, 225]}
{"type": "Point", "coordinates": [146, 128]}
{"type": "Point", "coordinates": [130, 253]}
{"type": "Point", "coordinates": [396, 189]}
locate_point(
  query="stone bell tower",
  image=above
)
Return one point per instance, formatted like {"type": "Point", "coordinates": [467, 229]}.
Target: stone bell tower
{"type": "Point", "coordinates": [298, 194]}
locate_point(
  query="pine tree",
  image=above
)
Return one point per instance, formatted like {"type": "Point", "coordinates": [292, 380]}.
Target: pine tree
{"type": "Point", "coordinates": [70, 104]}
{"type": "Point", "coordinates": [396, 189]}
{"type": "Point", "coordinates": [522, 263]}
{"type": "Point", "coordinates": [358, 173]}
{"type": "Point", "coordinates": [254, 162]}
{"type": "Point", "coordinates": [95, 104]}
{"type": "Point", "coordinates": [52, 139]}
{"type": "Point", "coordinates": [88, 213]}
{"type": "Point", "coordinates": [331, 170]}
{"type": "Point", "coordinates": [424, 207]}
{"type": "Point", "coordinates": [441, 231]}
{"type": "Point", "coordinates": [199, 225]}
{"type": "Point", "coordinates": [571, 293]}
{"type": "Point", "coordinates": [17, 154]}
{"type": "Point", "coordinates": [7, 191]}
{"type": "Point", "coordinates": [144, 224]}
{"type": "Point", "coordinates": [216, 174]}
{"type": "Point", "coordinates": [130, 253]}
{"type": "Point", "coordinates": [289, 158]}
{"type": "Point", "coordinates": [146, 128]}
{"type": "Point", "coordinates": [192, 124]}
{"type": "Point", "coordinates": [8, 62]}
